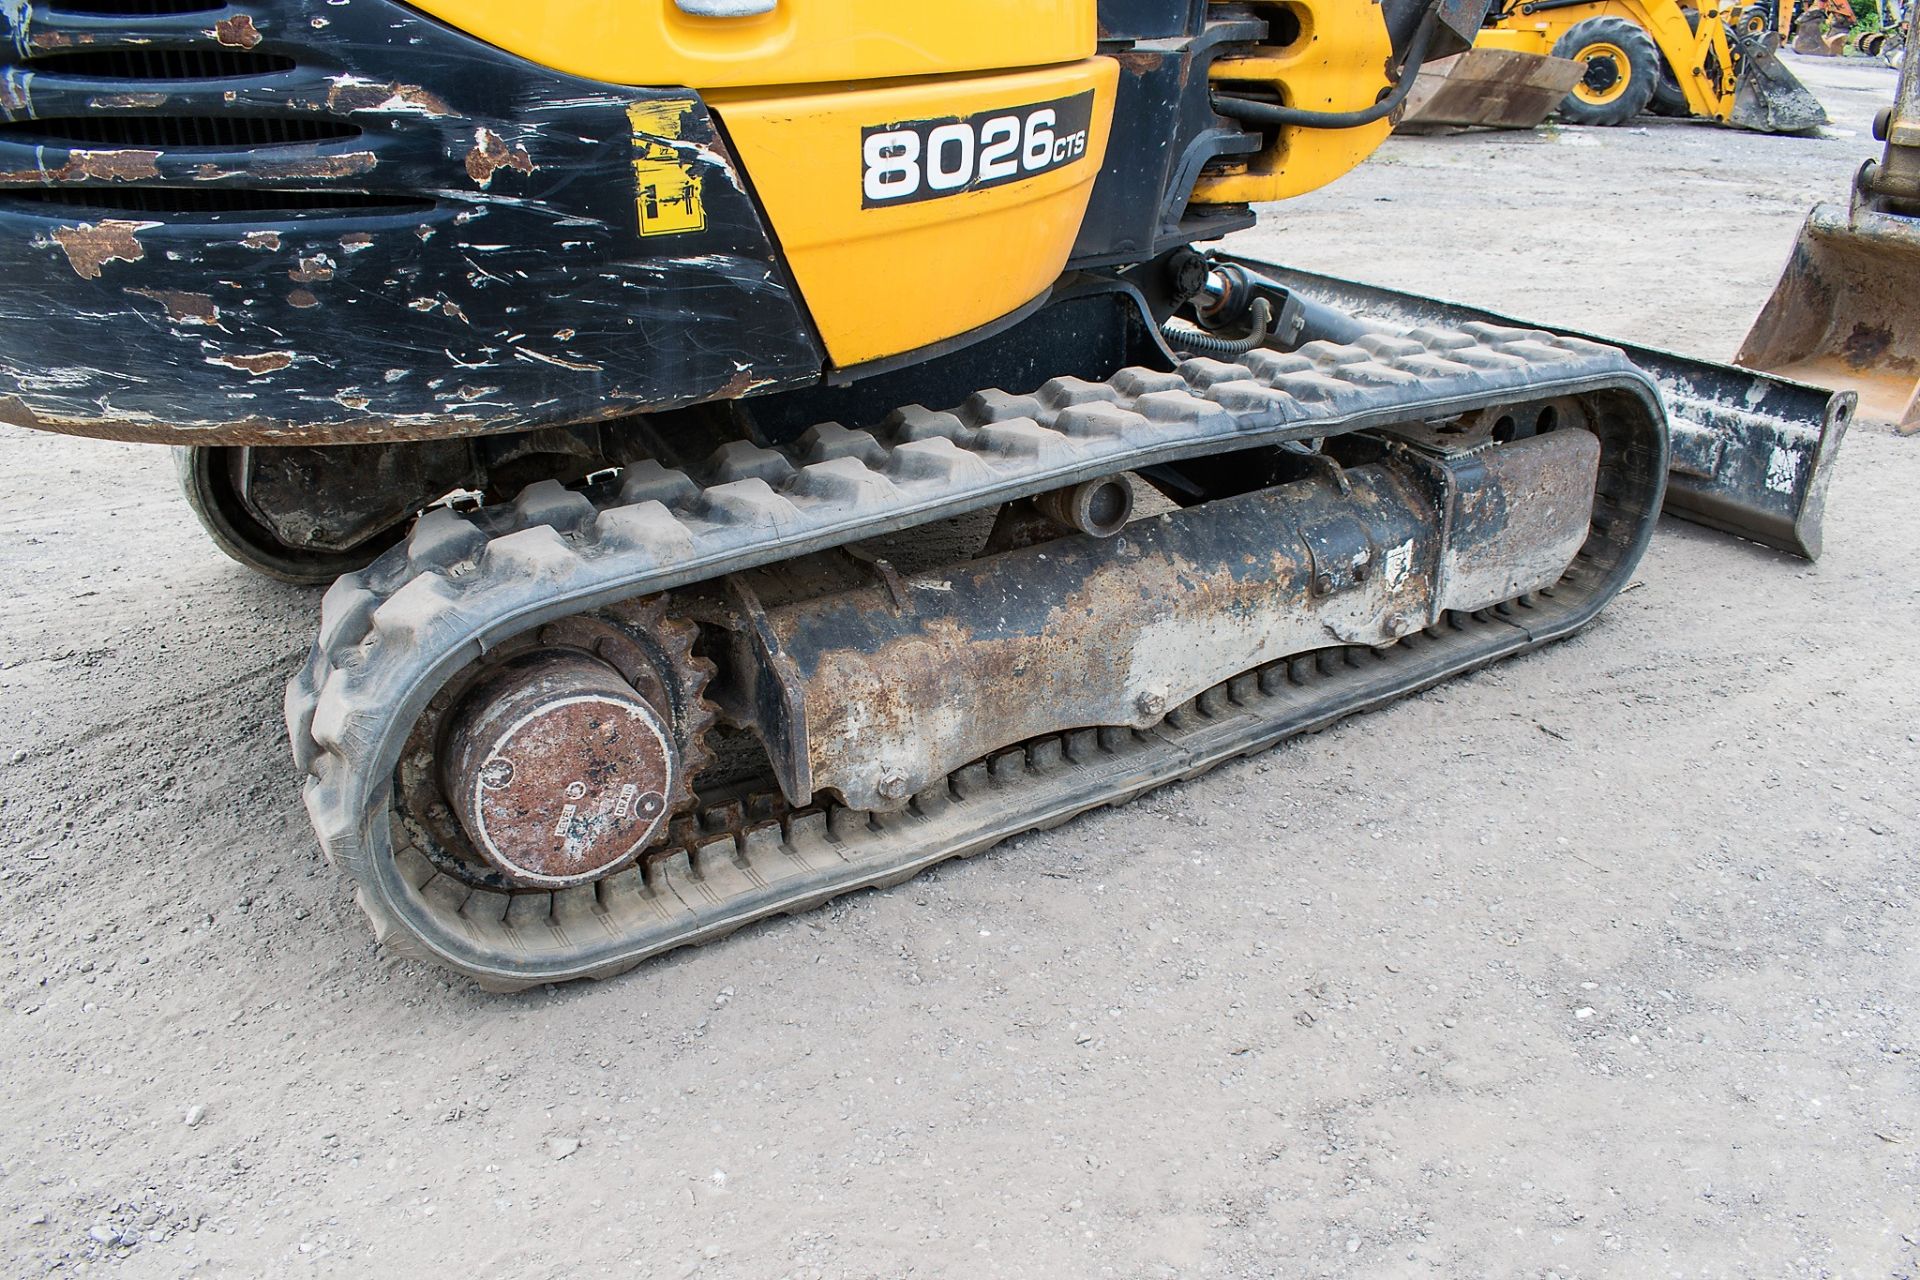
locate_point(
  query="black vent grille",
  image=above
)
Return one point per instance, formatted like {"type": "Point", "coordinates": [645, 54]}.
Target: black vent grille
{"type": "Point", "coordinates": [178, 133]}
{"type": "Point", "coordinates": [47, 201]}
{"type": "Point", "coordinates": [135, 8]}
{"type": "Point", "coordinates": [229, 160]}
{"type": "Point", "coordinates": [158, 64]}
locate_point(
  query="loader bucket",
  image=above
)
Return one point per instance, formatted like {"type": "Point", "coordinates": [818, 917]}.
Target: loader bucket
{"type": "Point", "coordinates": [1488, 88]}
{"type": "Point", "coordinates": [1846, 313]}
{"type": "Point", "coordinates": [1768, 98]}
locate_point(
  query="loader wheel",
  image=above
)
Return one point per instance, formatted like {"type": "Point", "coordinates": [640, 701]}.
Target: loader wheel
{"type": "Point", "coordinates": [206, 480]}
{"type": "Point", "coordinates": [1669, 99]}
{"type": "Point", "coordinates": [1623, 70]}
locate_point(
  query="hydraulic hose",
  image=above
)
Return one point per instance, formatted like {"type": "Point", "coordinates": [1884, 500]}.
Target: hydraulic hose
{"type": "Point", "coordinates": [1188, 338]}
{"type": "Point", "coordinates": [1269, 113]}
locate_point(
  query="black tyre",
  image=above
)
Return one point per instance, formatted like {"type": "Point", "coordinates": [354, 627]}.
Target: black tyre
{"type": "Point", "coordinates": [206, 479]}
{"type": "Point", "coordinates": [1669, 99]}
{"type": "Point", "coordinates": [1623, 71]}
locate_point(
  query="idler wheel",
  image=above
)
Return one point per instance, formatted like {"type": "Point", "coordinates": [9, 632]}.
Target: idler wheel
{"type": "Point", "coordinates": [558, 771]}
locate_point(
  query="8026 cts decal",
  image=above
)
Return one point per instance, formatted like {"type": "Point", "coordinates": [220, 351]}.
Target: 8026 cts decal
{"type": "Point", "coordinates": [926, 159]}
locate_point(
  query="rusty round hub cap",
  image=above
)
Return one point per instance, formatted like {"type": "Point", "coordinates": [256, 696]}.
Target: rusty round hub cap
{"type": "Point", "coordinates": [558, 770]}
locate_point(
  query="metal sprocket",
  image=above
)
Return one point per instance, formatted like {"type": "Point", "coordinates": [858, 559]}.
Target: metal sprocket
{"type": "Point", "coordinates": [651, 648]}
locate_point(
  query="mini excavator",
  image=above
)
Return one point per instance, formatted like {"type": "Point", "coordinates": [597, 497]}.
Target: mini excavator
{"type": "Point", "coordinates": [757, 449]}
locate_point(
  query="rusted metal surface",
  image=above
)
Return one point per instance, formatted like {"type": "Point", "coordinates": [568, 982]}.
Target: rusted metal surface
{"type": "Point", "coordinates": [1846, 312]}
{"type": "Point", "coordinates": [1767, 97]}
{"type": "Point", "coordinates": [558, 770]}
{"type": "Point", "coordinates": [1488, 88]}
{"type": "Point", "coordinates": [871, 699]}
{"type": "Point", "coordinates": [1099, 508]}
{"type": "Point", "coordinates": [399, 233]}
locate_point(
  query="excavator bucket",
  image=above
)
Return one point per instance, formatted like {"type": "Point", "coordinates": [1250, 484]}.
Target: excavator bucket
{"type": "Point", "coordinates": [1846, 312]}
{"type": "Point", "coordinates": [1488, 88]}
{"type": "Point", "coordinates": [1767, 97]}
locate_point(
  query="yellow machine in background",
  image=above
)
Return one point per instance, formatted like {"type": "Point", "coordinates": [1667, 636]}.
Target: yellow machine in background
{"type": "Point", "coordinates": [1659, 55]}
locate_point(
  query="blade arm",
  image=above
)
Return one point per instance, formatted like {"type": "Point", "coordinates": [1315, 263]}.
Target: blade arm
{"type": "Point", "coordinates": [1752, 452]}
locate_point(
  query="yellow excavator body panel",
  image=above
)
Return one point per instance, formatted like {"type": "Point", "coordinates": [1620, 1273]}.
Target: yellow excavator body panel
{"type": "Point", "coordinates": [797, 42]}
{"type": "Point", "coordinates": [1333, 61]}
{"type": "Point", "coordinates": [886, 198]}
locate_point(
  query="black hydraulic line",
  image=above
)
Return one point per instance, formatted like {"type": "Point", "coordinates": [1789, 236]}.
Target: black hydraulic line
{"type": "Point", "coordinates": [1311, 320]}
{"type": "Point", "coordinates": [1269, 113]}
{"type": "Point", "coordinates": [1188, 338]}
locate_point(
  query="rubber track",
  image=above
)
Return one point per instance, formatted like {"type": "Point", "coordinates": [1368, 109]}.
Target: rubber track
{"type": "Point", "coordinates": [393, 633]}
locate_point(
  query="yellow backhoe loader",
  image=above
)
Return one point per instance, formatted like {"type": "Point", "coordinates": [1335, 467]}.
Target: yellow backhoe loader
{"type": "Point", "coordinates": [721, 422]}
{"type": "Point", "coordinates": [1660, 56]}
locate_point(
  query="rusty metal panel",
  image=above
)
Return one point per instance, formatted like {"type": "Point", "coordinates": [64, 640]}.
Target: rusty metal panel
{"type": "Point", "coordinates": [1490, 88]}
{"type": "Point", "coordinates": [559, 771]}
{"type": "Point", "coordinates": [1519, 513]}
{"type": "Point", "coordinates": [1844, 313]}
{"type": "Point", "coordinates": [875, 692]}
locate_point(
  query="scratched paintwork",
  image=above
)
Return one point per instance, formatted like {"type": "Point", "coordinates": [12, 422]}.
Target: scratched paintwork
{"type": "Point", "coordinates": [498, 281]}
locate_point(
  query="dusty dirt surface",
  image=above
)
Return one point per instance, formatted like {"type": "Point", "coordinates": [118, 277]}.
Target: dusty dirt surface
{"type": "Point", "coordinates": [1601, 963]}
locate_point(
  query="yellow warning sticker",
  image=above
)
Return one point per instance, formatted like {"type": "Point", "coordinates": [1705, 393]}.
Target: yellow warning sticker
{"type": "Point", "coordinates": [666, 185]}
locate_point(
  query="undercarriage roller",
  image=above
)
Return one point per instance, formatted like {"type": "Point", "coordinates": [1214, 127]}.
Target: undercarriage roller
{"type": "Point", "coordinates": [1099, 508]}
{"type": "Point", "coordinates": [557, 770]}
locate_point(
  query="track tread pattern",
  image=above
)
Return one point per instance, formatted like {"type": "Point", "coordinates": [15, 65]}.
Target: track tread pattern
{"type": "Point", "coordinates": [461, 583]}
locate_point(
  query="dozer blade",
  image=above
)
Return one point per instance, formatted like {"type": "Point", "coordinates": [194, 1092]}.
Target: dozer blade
{"type": "Point", "coordinates": [1489, 88]}
{"type": "Point", "coordinates": [1768, 98]}
{"type": "Point", "coordinates": [1846, 313]}
{"type": "Point", "coordinates": [1751, 452]}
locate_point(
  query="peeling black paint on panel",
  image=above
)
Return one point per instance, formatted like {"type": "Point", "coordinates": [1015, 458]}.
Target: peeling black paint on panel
{"type": "Point", "coordinates": [475, 227]}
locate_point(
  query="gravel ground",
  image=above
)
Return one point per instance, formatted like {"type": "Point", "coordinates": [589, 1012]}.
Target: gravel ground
{"type": "Point", "coordinates": [1600, 963]}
